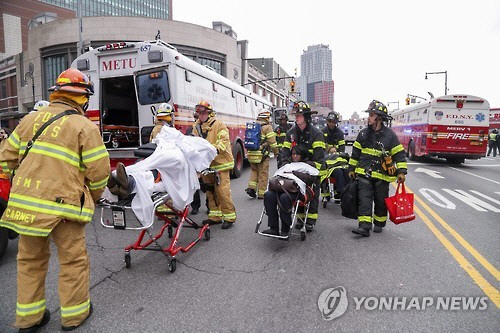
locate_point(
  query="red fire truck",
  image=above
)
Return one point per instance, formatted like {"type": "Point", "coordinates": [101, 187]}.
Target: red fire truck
{"type": "Point", "coordinates": [454, 127]}
{"type": "Point", "coordinates": [131, 80]}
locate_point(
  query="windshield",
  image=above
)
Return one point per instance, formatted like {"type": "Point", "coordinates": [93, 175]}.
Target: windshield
{"type": "Point", "coordinates": [152, 87]}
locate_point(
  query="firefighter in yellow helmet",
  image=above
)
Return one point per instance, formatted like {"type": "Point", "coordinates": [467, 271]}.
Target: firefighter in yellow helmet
{"type": "Point", "coordinates": [165, 116]}
{"type": "Point", "coordinates": [220, 202]}
{"type": "Point", "coordinates": [53, 192]}
{"type": "Point", "coordinates": [259, 159]}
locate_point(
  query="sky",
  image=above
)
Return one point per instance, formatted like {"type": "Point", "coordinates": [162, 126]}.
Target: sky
{"type": "Point", "coordinates": [381, 49]}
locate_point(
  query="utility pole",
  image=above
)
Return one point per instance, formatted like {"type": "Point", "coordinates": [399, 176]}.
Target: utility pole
{"type": "Point", "coordinates": [80, 28]}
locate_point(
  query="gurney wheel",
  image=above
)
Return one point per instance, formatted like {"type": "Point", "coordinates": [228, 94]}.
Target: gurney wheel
{"type": "Point", "coordinates": [303, 235]}
{"type": "Point", "coordinates": [170, 231]}
{"type": "Point", "coordinates": [172, 266]}
{"type": "Point", "coordinates": [324, 203]}
{"type": "Point", "coordinates": [127, 260]}
{"type": "Point", "coordinates": [207, 234]}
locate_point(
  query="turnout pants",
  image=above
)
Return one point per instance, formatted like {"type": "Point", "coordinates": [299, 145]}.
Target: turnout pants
{"type": "Point", "coordinates": [372, 191]}
{"type": "Point", "coordinates": [219, 198]}
{"type": "Point", "coordinates": [259, 177]}
{"type": "Point", "coordinates": [74, 275]}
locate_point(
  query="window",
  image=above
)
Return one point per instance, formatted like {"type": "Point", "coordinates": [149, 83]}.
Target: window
{"type": "Point", "coordinates": [152, 87]}
{"type": "Point", "coordinates": [188, 76]}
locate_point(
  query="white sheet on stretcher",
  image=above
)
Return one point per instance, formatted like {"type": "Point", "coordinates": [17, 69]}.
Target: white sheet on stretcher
{"type": "Point", "coordinates": [287, 169]}
{"type": "Point", "coordinates": [177, 158]}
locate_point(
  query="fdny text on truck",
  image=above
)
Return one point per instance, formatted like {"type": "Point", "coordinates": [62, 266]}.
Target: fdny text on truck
{"type": "Point", "coordinates": [454, 127]}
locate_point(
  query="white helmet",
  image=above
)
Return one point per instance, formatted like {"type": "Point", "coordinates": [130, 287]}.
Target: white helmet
{"type": "Point", "coordinates": [165, 109]}
{"type": "Point", "coordinates": [40, 105]}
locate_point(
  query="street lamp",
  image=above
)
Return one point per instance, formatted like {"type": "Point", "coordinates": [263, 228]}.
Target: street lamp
{"type": "Point", "coordinates": [445, 79]}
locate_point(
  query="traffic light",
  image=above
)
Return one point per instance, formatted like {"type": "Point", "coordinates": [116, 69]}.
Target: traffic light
{"type": "Point", "coordinates": [292, 86]}
{"type": "Point", "coordinates": [407, 100]}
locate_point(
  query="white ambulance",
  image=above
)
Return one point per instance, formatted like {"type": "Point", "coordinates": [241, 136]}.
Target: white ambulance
{"type": "Point", "coordinates": [131, 80]}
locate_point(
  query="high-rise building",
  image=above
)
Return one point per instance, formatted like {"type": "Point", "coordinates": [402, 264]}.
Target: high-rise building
{"type": "Point", "coordinates": [160, 9]}
{"type": "Point", "coordinates": [316, 85]}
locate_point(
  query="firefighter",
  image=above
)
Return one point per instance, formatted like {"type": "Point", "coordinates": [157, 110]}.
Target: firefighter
{"type": "Point", "coordinates": [53, 193]}
{"type": "Point", "coordinates": [165, 116]}
{"type": "Point", "coordinates": [304, 133]}
{"type": "Point", "coordinates": [280, 131]}
{"type": "Point", "coordinates": [334, 137]}
{"type": "Point", "coordinates": [493, 140]}
{"type": "Point", "coordinates": [259, 159]}
{"type": "Point", "coordinates": [377, 159]}
{"type": "Point", "coordinates": [220, 202]}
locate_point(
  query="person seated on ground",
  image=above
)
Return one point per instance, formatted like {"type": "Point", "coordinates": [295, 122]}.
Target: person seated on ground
{"type": "Point", "coordinates": [335, 165]}
{"type": "Point", "coordinates": [304, 174]}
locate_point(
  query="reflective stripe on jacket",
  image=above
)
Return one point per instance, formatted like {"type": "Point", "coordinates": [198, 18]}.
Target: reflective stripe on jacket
{"type": "Point", "coordinates": [215, 132]}
{"type": "Point", "coordinates": [334, 138]}
{"type": "Point", "coordinates": [367, 151]}
{"type": "Point", "coordinates": [65, 171]}
{"type": "Point", "coordinates": [311, 138]}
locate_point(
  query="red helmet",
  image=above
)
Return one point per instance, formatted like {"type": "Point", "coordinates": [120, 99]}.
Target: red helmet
{"type": "Point", "coordinates": [72, 80]}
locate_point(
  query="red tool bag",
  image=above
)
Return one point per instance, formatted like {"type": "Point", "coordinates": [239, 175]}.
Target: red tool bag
{"type": "Point", "coordinates": [4, 187]}
{"type": "Point", "coordinates": [400, 206]}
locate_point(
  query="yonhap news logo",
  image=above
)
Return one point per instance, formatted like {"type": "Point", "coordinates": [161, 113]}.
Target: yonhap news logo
{"type": "Point", "coordinates": [333, 303]}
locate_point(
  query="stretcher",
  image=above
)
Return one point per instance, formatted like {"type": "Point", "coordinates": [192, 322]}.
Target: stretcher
{"type": "Point", "coordinates": [303, 202]}
{"type": "Point", "coordinates": [119, 215]}
{"type": "Point", "coordinates": [118, 135]}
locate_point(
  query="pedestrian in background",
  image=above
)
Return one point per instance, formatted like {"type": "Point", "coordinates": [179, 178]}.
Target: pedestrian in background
{"type": "Point", "coordinates": [377, 159]}
{"type": "Point", "coordinates": [493, 142]}
{"type": "Point", "coordinates": [67, 168]}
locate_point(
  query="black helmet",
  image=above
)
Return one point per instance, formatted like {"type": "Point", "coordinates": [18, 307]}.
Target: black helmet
{"type": "Point", "coordinates": [379, 108]}
{"type": "Point", "coordinates": [283, 116]}
{"type": "Point", "coordinates": [495, 131]}
{"type": "Point", "coordinates": [333, 116]}
{"type": "Point", "coordinates": [302, 107]}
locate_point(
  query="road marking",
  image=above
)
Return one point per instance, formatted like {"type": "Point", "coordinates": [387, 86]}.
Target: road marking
{"type": "Point", "coordinates": [472, 201]}
{"type": "Point", "coordinates": [432, 173]}
{"type": "Point", "coordinates": [488, 289]}
{"type": "Point", "coordinates": [486, 264]}
{"type": "Point", "coordinates": [470, 173]}
{"type": "Point", "coordinates": [443, 202]}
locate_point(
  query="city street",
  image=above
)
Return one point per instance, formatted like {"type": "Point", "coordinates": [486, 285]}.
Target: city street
{"type": "Point", "coordinates": [239, 281]}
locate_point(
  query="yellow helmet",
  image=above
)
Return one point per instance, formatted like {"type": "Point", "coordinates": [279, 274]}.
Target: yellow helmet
{"type": "Point", "coordinates": [264, 115]}
{"type": "Point", "coordinates": [165, 112]}
{"type": "Point", "coordinates": [205, 106]}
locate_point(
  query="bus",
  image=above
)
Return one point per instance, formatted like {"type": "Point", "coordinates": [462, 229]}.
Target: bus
{"type": "Point", "coordinates": [454, 127]}
{"type": "Point", "coordinates": [131, 80]}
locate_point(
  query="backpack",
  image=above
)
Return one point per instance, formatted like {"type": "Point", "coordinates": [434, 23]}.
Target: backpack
{"type": "Point", "coordinates": [252, 135]}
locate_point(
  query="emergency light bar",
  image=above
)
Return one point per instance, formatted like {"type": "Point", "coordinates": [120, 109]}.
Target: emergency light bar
{"type": "Point", "coordinates": [115, 46]}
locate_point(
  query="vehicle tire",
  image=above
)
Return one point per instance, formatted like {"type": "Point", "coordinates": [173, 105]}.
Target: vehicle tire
{"type": "Point", "coordinates": [455, 160]}
{"type": "Point", "coordinates": [238, 161]}
{"type": "Point", "coordinates": [207, 234]}
{"type": "Point", "coordinates": [170, 231]}
{"type": "Point", "coordinates": [303, 235]}
{"type": "Point", "coordinates": [324, 203]}
{"type": "Point", "coordinates": [411, 151]}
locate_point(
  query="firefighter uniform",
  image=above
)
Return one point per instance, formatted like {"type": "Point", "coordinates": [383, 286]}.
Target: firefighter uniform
{"type": "Point", "coordinates": [335, 165]}
{"type": "Point", "coordinates": [53, 193]}
{"type": "Point", "coordinates": [493, 143]}
{"type": "Point", "coordinates": [220, 201]}
{"type": "Point", "coordinates": [259, 159]}
{"type": "Point", "coordinates": [313, 140]}
{"type": "Point", "coordinates": [281, 131]}
{"type": "Point", "coordinates": [334, 138]}
{"type": "Point", "coordinates": [368, 152]}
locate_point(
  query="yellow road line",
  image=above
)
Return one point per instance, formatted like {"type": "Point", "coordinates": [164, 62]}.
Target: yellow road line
{"type": "Point", "coordinates": [482, 260]}
{"type": "Point", "coordinates": [488, 289]}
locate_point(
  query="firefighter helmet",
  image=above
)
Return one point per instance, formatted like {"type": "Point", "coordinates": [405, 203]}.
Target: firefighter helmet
{"type": "Point", "coordinates": [165, 112]}
{"type": "Point", "coordinates": [283, 116]}
{"type": "Point", "coordinates": [379, 108]}
{"type": "Point", "coordinates": [206, 106]}
{"type": "Point", "coordinates": [72, 80]}
{"type": "Point", "coordinates": [41, 104]}
{"type": "Point", "coordinates": [264, 115]}
{"type": "Point", "coordinates": [333, 116]}
{"type": "Point", "coordinates": [302, 107]}
{"type": "Point", "coordinates": [495, 131]}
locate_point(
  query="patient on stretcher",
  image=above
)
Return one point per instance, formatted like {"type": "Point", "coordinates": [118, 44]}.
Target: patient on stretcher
{"type": "Point", "coordinates": [173, 167]}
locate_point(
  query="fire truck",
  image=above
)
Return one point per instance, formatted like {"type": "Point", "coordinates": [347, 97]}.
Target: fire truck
{"type": "Point", "coordinates": [454, 127]}
{"type": "Point", "coordinates": [131, 80]}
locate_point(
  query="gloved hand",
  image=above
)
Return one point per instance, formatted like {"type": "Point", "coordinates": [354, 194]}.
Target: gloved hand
{"type": "Point", "coordinates": [401, 177]}
{"type": "Point", "coordinates": [353, 175]}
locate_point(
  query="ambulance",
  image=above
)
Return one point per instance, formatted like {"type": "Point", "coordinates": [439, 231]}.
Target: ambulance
{"type": "Point", "coordinates": [131, 80]}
